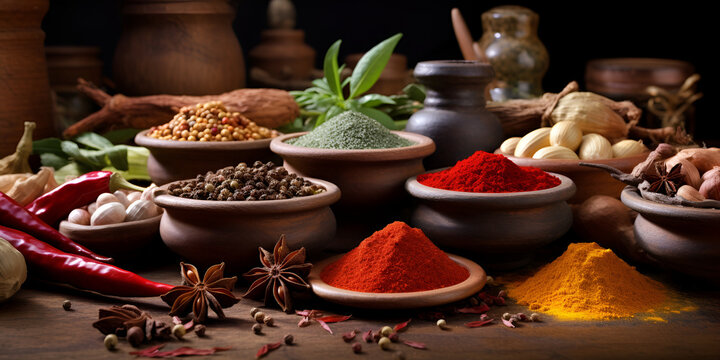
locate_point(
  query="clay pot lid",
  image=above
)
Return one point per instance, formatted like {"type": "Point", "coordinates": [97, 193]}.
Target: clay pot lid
{"type": "Point", "coordinates": [454, 68]}
{"type": "Point", "coordinates": [640, 72]}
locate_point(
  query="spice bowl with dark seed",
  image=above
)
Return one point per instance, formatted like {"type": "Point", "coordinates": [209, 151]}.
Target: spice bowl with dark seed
{"type": "Point", "coordinates": [367, 177]}
{"type": "Point", "coordinates": [206, 232]}
{"type": "Point", "coordinates": [680, 238]}
{"type": "Point", "coordinates": [172, 160]}
{"type": "Point", "coordinates": [500, 230]}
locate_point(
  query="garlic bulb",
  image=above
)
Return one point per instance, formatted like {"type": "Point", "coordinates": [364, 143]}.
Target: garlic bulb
{"type": "Point", "coordinates": [567, 134]}
{"type": "Point", "coordinates": [110, 213]}
{"type": "Point", "coordinates": [508, 146]}
{"type": "Point", "coordinates": [79, 216]}
{"type": "Point", "coordinates": [627, 147]}
{"type": "Point", "coordinates": [13, 270]}
{"type": "Point", "coordinates": [532, 142]}
{"type": "Point", "coordinates": [689, 193]}
{"type": "Point", "coordinates": [594, 147]}
{"type": "Point", "coordinates": [555, 152]}
{"type": "Point", "coordinates": [590, 112]}
{"type": "Point", "coordinates": [105, 198]}
{"type": "Point", "coordinates": [710, 187]}
{"type": "Point", "coordinates": [140, 210]}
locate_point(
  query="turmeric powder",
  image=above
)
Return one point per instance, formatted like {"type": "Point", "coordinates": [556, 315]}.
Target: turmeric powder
{"type": "Point", "coordinates": [588, 282]}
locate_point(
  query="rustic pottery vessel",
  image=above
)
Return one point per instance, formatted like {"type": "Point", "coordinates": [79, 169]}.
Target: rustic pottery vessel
{"type": "Point", "coordinates": [178, 47]}
{"type": "Point", "coordinates": [680, 238]}
{"type": "Point", "coordinates": [454, 115]}
{"type": "Point", "coordinates": [176, 160]}
{"type": "Point", "coordinates": [123, 241]}
{"type": "Point", "coordinates": [367, 178]}
{"type": "Point", "coordinates": [510, 44]}
{"type": "Point", "coordinates": [393, 78]}
{"type": "Point", "coordinates": [589, 181]}
{"type": "Point", "coordinates": [207, 232]}
{"type": "Point", "coordinates": [416, 299]}
{"type": "Point", "coordinates": [24, 88]}
{"type": "Point", "coordinates": [500, 230]}
{"type": "Point", "coordinates": [283, 54]}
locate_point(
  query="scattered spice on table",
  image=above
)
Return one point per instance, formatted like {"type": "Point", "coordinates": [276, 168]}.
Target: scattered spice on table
{"type": "Point", "coordinates": [210, 121]}
{"type": "Point", "coordinates": [261, 181]}
{"type": "Point", "coordinates": [588, 282]}
{"type": "Point", "coordinates": [396, 259]}
{"type": "Point", "coordinates": [483, 172]}
{"type": "Point", "coordinates": [350, 130]}
{"type": "Point", "coordinates": [120, 320]}
{"type": "Point", "coordinates": [154, 352]}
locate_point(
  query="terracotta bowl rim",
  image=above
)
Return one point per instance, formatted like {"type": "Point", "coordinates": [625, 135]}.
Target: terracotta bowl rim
{"type": "Point", "coordinates": [562, 164]}
{"type": "Point", "coordinates": [327, 198]}
{"type": "Point", "coordinates": [123, 226]}
{"type": "Point", "coordinates": [631, 197]}
{"type": "Point", "coordinates": [423, 146]}
{"type": "Point", "coordinates": [153, 143]}
{"type": "Point", "coordinates": [562, 192]}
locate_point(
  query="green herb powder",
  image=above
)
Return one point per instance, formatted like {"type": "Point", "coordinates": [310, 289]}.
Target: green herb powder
{"type": "Point", "coordinates": [350, 130]}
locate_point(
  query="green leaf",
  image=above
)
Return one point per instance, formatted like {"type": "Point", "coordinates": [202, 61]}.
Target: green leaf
{"type": "Point", "coordinates": [53, 160]}
{"type": "Point", "coordinates": [121, 136]}
{"type": "Point", "coordinates": [334, 111]}
{"type": "Point", "coordinates": [93, 141]}
{"type": "Point", "coordinates": [322, 86]}
{"type": "Point", "coordinates": [330, 69]}
{"type": "Point", "coordinates": [368, 69]}
{"type": "Point", "coordinates": [48, 145]}
{"type": "Point", "coordinates": [118, 156]}
{"type": "Point", "coordinates": [374, 100]}
{"type": "Point", "coordinates": [378, 115]}
{"type": "Point", "coordinates": [415, 92]}
{"type": "Point", "coordinates": [320, 119]}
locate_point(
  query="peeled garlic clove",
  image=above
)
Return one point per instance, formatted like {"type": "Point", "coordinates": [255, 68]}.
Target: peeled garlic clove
{"type": "Point", "coordinates": [532, 142]}
{"type": "Point", "coordinates": [590, 112]}
{"type": "Point", "coordinates": [555, 152]}
{"type": "Point", "coordinates": [110, 213]}
{"type": "Point", "coordinates": [79, 216]}
{"type": "Point", "coordinates": [710, 187]}
{"type": "Point", "coordinates": [508, 146]}
{"type": "Point", "coordinates": [595, 147]}
{"type": "Point", "coordinates": [105, 198]}
{"type": "Point", "coordinates": [133, 196]}
{"type": "Point", "coordinates": [140, 210]}
{"type": "Point", "coordinates": [689, 193]}
{"type": "Point", "coordinates": [626, 148]}
{"type": "Point", "coordinates": [567, 134]}
{"type": "Point", "coordinates": [122, 198]}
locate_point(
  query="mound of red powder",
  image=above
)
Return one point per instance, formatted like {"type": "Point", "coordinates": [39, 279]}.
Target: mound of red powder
{"type": "Point", "coordinates": [396, 259]}
{"type": "Point", "coordinates": [489, 173]}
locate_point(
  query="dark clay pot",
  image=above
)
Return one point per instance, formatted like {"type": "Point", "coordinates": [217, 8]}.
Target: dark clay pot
{"type": "Point", "coordinates": [454, 115]}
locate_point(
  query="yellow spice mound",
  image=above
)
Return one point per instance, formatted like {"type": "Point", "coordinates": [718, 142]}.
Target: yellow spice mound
{"type": "Point", "coordinates": [588, 282]}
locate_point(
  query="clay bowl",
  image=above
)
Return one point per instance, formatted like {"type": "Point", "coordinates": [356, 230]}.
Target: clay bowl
{"type": "Point", "coordinates": [680, 238]}
{"type": "Point", "coordinates": [417, 299]}
{"type": "Point", "coordinates": [172, 160]}
{"type": "Point", "coordinates": [589, 181]}
{"type": "Point", "coordinates": [367, 178]}
{"type": "Point", "coordinates": [207, 232]}
{"type": "Point", "coordinates": [501, 230]}
{"type": "Point", "coordinates": [123, 240]}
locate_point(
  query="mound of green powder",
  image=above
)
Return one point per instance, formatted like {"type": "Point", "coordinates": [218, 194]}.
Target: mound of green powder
{"type": "Point", "coordinates": [349, 131]}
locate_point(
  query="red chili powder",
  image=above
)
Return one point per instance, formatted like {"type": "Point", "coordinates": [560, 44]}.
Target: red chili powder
{"type": "Point", "coordinates": [396, 259]}
{"type": "Point", "coordinates": [489, 173]}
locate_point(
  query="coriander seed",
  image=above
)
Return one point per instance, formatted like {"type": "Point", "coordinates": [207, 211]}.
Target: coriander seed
{"type": "Point", "coordinates": [257, 328]}
{"type": "Point", "coordinates": [259, 316]}
{"type": "Point", "coordinates": [356, 347]}
{"type": "Point", "coordinates": [67, 305]}
{"type": "Point", "coordinates": [288, 339]}
{"type": "Point", "coordinates": [441, 324]}
{"type": "Point", "coordinates": [268, 320]}
{"type": "Point", "coordinates": [534, 317]}
{"type": "Point", "coordinates": [253, 311]}
{"type": "Point", "coordinates": [200, 330]}
{"type": "Point", "coordinates": [111, 341]}
{"type": "Point", "coordinates": [179, 331]}
{"type": "Point", "coordinates": [386, 331]}
{"type": "Point", "coordinates": [384, 343]}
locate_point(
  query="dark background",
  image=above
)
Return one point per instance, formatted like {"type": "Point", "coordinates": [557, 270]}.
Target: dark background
{"type": "Point", "coordinates": [573, 33]}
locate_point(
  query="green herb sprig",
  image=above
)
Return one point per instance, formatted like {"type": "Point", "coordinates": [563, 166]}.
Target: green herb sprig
{"type": "Point", "coordinates": [326, 98]}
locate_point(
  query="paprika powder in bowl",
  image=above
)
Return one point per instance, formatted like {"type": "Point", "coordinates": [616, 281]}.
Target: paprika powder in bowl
{"type": "Point", "coordinates": [206, 232]}
{"type": "Point", "coordinates": [497, 211]}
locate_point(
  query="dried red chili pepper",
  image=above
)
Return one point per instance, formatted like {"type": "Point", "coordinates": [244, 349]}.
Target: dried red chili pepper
{"type": "Point", "coordinates": [14, 216]}
{"type": "Point", "coordinates": [58, 203]}
{"type": "Point", "coordinates": [81, 272]}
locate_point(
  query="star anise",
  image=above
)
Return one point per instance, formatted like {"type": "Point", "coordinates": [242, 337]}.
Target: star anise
{"type": "Point", "coordinates": [281, 272]}
{"type": "Point", "coordinates": [665, 182]}
{"type": "Point", "coordinates": [119, 319]}
{"type": "Point", "coordinates": [214, 291]}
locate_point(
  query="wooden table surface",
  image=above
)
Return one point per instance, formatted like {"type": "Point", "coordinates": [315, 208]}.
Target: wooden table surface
{"type": "Point", "coordinates": [33, 325]}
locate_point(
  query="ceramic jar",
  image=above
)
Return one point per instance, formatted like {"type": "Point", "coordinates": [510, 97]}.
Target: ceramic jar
{"type": "Point", "coordinates": [454, 115]}
{"type": "Point", "coordinates": [283, 54]}
{"type": "Point", "coordinates": [178, 47]}
{"type": "Point", "coordinates": [24, 86]}
{"type": "Point", "coordinates": [511, 45]}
